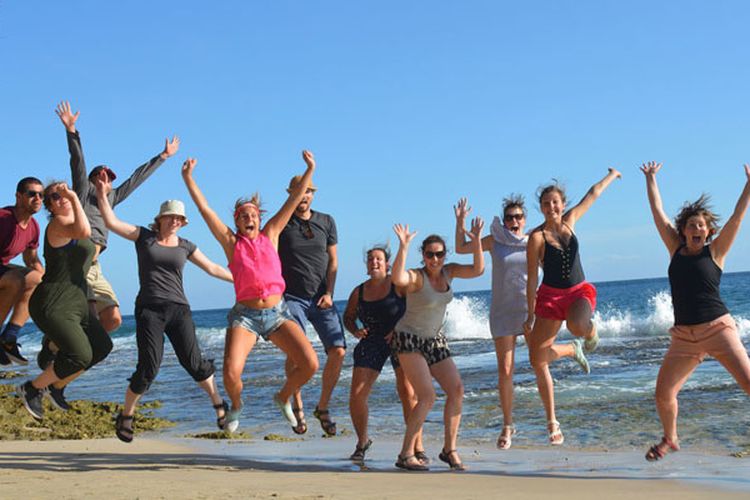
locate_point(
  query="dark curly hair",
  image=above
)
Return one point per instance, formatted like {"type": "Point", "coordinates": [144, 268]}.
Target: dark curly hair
{"type": "Point", "coordinates": [701, 207]}
{"type": "Point", "coordinates": [380, 247]}
{"type": "Point", "coordinates": [514, 200]}
{"type": "Point", "coordinates": [433, 238]}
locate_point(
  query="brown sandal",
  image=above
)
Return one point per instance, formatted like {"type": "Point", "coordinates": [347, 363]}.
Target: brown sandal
{"type": "Point", "coordinates": [660, 450]}
{"type": "Point", "coordinates": [301, 426]}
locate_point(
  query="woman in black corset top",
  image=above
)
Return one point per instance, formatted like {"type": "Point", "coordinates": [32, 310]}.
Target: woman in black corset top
{"type": "Point", "coordinates": [702, 323]}
{"type": "Point", "coordinates": [564, 295]}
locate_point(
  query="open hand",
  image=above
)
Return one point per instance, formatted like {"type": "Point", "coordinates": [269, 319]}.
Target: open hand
{"type": "Point", "coordinates": [462, 209]}
{"type": "Point", "coordinates": [170, 147]}
{"type": "Point", "coordinates": [650, 168]}
{"type": "Point", "coordinates": [475, 232]}
{"type": "Point", "coordinates": [404, 236]}
{"type": "Point", "coordinates": [66, 116]}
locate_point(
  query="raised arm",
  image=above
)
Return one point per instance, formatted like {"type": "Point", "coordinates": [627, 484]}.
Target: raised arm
{"type": "Point", "coordinates": [77, 163]}
{"type": "Point", "coordinates": [477, 267]}
{"type": "Point", "coordinates": [405, 279]}
{"type": "Point", "coordinates": [277, 223]}
{"type": "Point", "coordinates": [723, 242]}
{"type": "Point", "coordinates": [60, 233]}
{"type": "Point", "coordinates": [210, 267]}
{"type": "Point", "coordinates": [350, 315]}
{"type": "Point", "coordinates": [533, 250]}
{"type": "Point", "coordinates": [144, 171]}
{"type": "Point", "coordinates": [121, 228]}
{"type": "Point", "coordinates": [223, 234]}
{"type": "Point", "coordinates": [575, 213]}
{"type": "Point", "coordinates": [667, 231]}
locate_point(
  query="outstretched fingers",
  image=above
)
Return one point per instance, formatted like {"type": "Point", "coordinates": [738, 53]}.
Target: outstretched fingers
{"type": "Point", "coordinates": [462, 208]}
{"type": "Point", "coordinates": [650, 168]}
{"type": "Point", "coordinates": [477, 224]}
{"type": "Point", "coordinates": [404, 236]}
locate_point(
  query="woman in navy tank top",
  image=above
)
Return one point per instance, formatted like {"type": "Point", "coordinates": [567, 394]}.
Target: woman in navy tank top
{"type": "Point", "coordinates": [564, 295]}
{"type": "Point", "coordinates": [372, 312]}
{"type": "Point", "coordinates": [702, 323]}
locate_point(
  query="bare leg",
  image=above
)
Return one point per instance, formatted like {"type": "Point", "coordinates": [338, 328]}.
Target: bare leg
{"type": "Point", "coordinates": [237, 347]}
{"type": "Point", "coordinates": [408, 401]}
{"type": "Point", "coordinates": [737, 363]}
{"type": "Point", "coordinates": [11, 286]}
{"type": "Point", "coordinates": [505, 349]}
{"type": "Point", "coordinates": [446, 374]}
{"type": "Point", "coordinates": [131, 400]}
{"type": "Point", "coordinates": [673, 374]}
{"type": "Point", "coordinates": [110, 318]}
{"type": "Point", "coordinates": [362, 381]}
{"type": "Point", "coordinates": [418, 373]}
{"type": "Point", "coordinates": [578, 320]}
{"type": "Point", "coordinates": [292, 340]}
{"type": "Point", "coordinates": [297, 396]}
{"type": "Point", "coordinates": [331, 373]}
{"type": "Point", "coordinates": [21, 307]}
{"type": "Point", "coordinates": [543, 351]}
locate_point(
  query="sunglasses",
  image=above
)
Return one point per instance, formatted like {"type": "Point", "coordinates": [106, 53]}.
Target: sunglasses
{"type": "Point", "coordinates": [510, 217]}
{"type": "Point", "coordinates": [432, 255]}
{"type": "Point", "coordinates": [34, 194]}
{"type": "Point", "coordinates": [54, 196]}
{"type": "Point", "coordinates": [306, 230]}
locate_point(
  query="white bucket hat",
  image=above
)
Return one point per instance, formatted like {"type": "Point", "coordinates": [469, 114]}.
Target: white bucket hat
{"type": "Point", "coordinates": [172, 207]}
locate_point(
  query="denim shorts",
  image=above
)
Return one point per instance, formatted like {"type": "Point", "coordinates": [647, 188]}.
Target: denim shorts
{"type": "Point", "coordinates": [262, 322]}
{"type": "Point", "coordinates": [326, 322]}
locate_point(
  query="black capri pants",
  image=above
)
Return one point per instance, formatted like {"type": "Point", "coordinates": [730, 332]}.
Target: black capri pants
{"type": "Point", "coordinates": [176, 321]}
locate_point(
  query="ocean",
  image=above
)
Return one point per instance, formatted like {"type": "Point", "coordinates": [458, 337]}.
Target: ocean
{"type": "Point", "coordinates": [610, 409]}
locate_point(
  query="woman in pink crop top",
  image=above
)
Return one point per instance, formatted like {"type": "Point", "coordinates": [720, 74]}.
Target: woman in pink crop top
{"type": "Point", "coordinates": [260, 309]}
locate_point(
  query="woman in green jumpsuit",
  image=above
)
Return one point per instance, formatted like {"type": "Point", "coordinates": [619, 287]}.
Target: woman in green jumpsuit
{"type": "Point", "coordinates": [59, 306]}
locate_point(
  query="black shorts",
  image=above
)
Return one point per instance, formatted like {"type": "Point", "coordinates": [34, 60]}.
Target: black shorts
{"type": "Point", "coordinates": [372, 352]}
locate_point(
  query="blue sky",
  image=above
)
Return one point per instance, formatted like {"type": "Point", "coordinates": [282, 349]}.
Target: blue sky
{"type": "Point", "coordinates": [406, 105]}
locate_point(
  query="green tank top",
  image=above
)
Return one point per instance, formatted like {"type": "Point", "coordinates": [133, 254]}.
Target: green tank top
{"type": "Point", "coordinates": [68, 264]}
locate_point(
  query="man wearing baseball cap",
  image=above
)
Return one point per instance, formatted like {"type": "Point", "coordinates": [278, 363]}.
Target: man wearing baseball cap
{"type": "Point", "coordinates": [101, 294]}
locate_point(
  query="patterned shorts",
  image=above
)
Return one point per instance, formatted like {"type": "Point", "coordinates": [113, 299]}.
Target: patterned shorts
{"type": "Point", "coordinates": [433, 349]}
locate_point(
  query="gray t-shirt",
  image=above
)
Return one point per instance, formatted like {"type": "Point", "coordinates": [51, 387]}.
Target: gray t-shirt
{"type": "Point", "coordinates": [303, 250]}
{"type": "Point", "coordinates": [160, 269]}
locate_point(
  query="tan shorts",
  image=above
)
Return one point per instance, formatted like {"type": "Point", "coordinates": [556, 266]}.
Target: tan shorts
{"type": "Point", "coordinates": [717, 338]}
{"type": "Point", "coordinates": [100, 291]}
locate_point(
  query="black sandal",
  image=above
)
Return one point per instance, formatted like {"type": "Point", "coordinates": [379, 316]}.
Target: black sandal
{"type": "Point", "coordinates": [122, 431]}
{"type": "Point", "coordinates": [222, 420]}
{"type": "Point", "coordinates": [447, 457]}
{"type": "Point", "coordinates": [403, 463]}
{"type": "Point", "coordinates": [328, 425]}
{"type": "Point", "coordinates": [359, 452]}
{"type": "Point", "coordinates": [301, 426]}
{"type": "Point", "coordinates": [422, 457]}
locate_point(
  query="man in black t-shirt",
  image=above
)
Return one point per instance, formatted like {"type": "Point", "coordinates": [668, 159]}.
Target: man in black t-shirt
{"type": "Point", "coordinates": [307, 248]}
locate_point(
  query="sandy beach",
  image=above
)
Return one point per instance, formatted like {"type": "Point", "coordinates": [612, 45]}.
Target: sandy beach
{"type": "Point", "coordinates": [154, 467]}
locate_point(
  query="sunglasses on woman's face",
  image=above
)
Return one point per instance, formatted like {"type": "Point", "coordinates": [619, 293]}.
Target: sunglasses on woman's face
{"type": "Point", "coordinates": [34, 194]}
{"type": "Point", "coordinates": [432, 255]}
{"type": "Point", "coordinates": [54, 196]}
{"type": "Point", "coordinates": [516, 216]}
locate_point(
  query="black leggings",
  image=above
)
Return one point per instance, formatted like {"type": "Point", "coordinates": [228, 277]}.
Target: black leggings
{"type": "Point", "coordinates": [152, 322]}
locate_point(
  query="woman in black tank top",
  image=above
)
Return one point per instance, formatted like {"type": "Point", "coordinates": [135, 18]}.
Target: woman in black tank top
{"type": "Point", "coordinates": [564, 294]}
{"type": "Point", "coordinates": [377, 304]}
{"type": "Point", "coordinates": [703, 325]}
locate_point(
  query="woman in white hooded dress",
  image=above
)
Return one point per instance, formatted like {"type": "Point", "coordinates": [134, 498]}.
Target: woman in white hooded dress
{"type": "Point", "coordinates": [507, 246]}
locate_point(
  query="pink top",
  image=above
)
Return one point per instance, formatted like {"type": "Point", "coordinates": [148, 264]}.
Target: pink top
{"type": "Point", "coordinates": [256, 268]}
